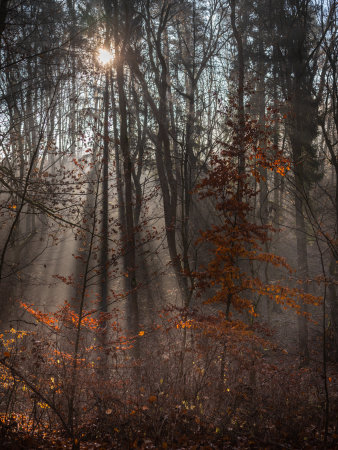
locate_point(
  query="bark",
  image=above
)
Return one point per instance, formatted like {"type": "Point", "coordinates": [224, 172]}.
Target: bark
{"type": "Point", "coordinates": [130, 249]}
{"type": "Point", "coordinates": [129, 256]}
{"type": "Point", "coordinates": [3, 16]}
{"type": "Point", "coordinates": [105, 193]}
{"type": "Point", "coordinates": [263, 192]}
{"type": "Point", "coordinates": [73, 94]}
{"type": "Point", "coordinates": [333, 304]}
{"type": "Point", "coordinates": [301, 243]}
{"type": "Point", "coordinates": [139, 154]}
{"type": "Point", "coordinates": [119, 178]}
{"type": "Point", "coordinates": [240, 89]}
{"type": "Point", "coordinates": [332, 243]}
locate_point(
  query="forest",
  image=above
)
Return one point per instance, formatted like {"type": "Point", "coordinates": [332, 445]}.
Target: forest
{"type": "Point", "coordinates": [168, 224]}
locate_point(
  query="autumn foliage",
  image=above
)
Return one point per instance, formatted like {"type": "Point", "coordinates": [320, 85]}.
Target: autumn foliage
{"type": "Point", "coordinates": [73, 379]}
{"type": "Point", "coordinates": [235, 386]}
{"type": "Point", "coordinates": [211, 376]}
{"type": "Point", "coordinates": [236, 241]}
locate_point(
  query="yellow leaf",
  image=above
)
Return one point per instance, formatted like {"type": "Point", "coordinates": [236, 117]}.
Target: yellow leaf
{"type": "Point", "coordinates": [141, 333]}
{"type": "Point", "coordinates": [217, 430]}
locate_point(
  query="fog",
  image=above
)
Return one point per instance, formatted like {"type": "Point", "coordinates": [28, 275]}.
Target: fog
{"type": "Point", "coordinates": [168, 224]}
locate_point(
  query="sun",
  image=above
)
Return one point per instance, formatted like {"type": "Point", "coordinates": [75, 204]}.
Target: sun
{"type": "Point", "coordinates": [104, 56]}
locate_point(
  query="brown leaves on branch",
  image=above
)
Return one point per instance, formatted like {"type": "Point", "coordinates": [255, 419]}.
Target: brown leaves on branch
{"type": "Point", "coordinates": [236, 244]}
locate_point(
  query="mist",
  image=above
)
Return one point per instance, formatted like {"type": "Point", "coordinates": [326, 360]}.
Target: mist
{"type": "Point", "coordinates": [168, 224]}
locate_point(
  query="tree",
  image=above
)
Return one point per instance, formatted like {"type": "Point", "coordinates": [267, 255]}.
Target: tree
{"type": "Point", "coordinates": [297, 68]}
{"type": "Point", "coordinates": [328, 122]}
{"type": "Point", "coordinates": [236, 241]}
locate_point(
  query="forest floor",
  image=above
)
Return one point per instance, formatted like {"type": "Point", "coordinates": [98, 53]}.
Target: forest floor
{"type": "Point", "coordinates": [205, 437]}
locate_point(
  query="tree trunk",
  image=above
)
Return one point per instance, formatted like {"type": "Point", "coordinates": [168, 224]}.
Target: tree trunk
{"type": "Point", "coordinates": [105, 191]}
